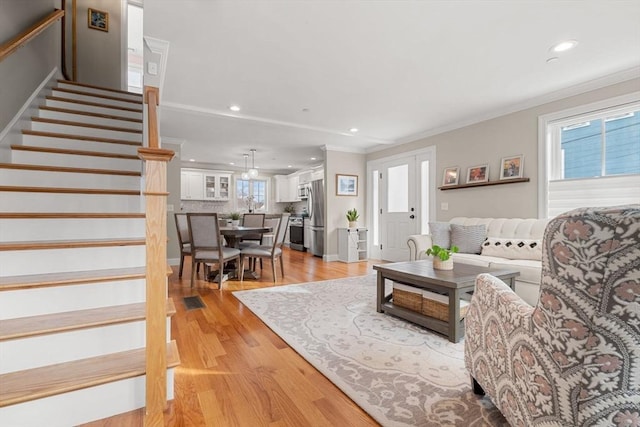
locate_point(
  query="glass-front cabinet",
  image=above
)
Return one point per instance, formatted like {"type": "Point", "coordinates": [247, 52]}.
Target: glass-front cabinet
{"type": "Point", "coordinates": [216, 186]}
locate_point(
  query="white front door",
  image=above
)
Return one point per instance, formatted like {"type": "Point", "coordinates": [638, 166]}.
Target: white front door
{"type": "Point", "coordinates": [398, 210]}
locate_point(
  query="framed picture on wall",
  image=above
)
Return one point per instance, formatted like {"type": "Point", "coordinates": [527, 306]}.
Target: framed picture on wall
{"type": "Point", "coordinates": [450, 176]}
{"type": "Point", "coordinates": [346, 185]}
{"type": "Point", "coordinates": [98, 20]}
{"type": "Point", "coordinates": [512, 167]}
{"type": "Point", "coordinates": [478, 173]}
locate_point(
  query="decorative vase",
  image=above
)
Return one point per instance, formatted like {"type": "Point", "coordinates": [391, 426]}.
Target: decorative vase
{"type": "Point", "coordinates": [438, 264]}
{"type": "Point", "coordinates": [353, 224]}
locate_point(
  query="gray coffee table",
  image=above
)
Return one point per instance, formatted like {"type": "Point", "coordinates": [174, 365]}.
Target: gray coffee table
{"type": "Point", "coordinates": [456, 283]}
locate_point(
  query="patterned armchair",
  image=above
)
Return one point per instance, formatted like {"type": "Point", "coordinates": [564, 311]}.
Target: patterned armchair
{"type": "Point", "coordinates": [574, 359]}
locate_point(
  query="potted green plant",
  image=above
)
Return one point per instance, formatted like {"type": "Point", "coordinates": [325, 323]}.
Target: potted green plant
{"type": "Point", "coordinates": [442, 257]}
{"type": "Point", "coordinates": [352, 217]}
{"type": "Point", "coordinates": [235, 218]}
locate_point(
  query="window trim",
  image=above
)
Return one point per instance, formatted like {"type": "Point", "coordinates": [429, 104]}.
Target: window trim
{"type": "Point", "coordinates": [267, 195]}
{"type": "Point", "coordinates": [585, 112]}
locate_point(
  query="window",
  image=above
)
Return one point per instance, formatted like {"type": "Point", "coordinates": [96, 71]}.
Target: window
{"type": "Point", "coordinates": [591, 156]}
{"type": "Point", "coordinates": [251, 195]}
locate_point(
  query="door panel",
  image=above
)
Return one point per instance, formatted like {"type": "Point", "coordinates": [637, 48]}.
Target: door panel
{"type": "Point", "coordinates": [397, 203]}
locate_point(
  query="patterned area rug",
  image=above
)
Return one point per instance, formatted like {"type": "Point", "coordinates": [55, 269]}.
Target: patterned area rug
{"type": "Point", "coordinates": [399, 373]}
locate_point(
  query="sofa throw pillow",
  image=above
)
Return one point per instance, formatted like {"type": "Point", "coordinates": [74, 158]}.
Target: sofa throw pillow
{"type": "Point", "coordinates": [468, 238]}
{"type": "Point", "coordinates": [440, 234]}
{"type": "Point", "coordinates": [513, 248]}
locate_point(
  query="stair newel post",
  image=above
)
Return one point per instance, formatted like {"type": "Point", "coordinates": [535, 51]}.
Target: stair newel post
{"type": "Point", "coordinates": [155, 160]}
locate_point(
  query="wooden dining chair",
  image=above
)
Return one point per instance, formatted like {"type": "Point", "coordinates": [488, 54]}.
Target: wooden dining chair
{"type": "Point", "coordinates": [182, 226]}
{"type": "Point", "coordinates": [252, 220]}
{"type": "Point", "coordinates": [273, 252]}
{"type": "Point", "coordinates": [207, 245]}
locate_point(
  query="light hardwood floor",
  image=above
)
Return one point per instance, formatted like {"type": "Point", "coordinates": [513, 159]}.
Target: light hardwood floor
{"type": "Point", "coordinates": [236, 372]}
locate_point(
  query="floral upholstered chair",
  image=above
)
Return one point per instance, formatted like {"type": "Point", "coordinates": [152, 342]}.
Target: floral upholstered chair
{"type": "Point", "coordinates": [574, 359]}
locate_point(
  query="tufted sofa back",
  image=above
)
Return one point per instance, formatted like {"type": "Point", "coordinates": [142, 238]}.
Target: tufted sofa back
{"type": "Point", "coordinates": [508, 228]}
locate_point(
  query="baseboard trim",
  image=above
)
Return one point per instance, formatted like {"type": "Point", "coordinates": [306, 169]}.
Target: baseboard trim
{"type": "Point", "coordinates": [330, 258]}
{"type": "Point", "coordinates": [173, 261]}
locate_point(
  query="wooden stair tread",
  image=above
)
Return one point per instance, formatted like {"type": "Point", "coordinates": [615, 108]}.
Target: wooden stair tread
{"type": "Point", "coordinates": [69, 215]}
{"type": "Point", "coordinates": [98, 87]}
{"type": "Point", "coordinates": [32, 384]}
{"type": "Point", "coordinates": [85, 125]}
{"type": "Point", "coordinates": [93, 104]}
{"type": "Point", "coordinates": [88, 113]}
{"type": "Point", "coordinates": [74, 152]}
{"type": "Point", "coordinates": [78, 137]}
{"type": "Point", "coordinates": [98, 95]}
{"type": "Point", "coordinates": [74, 320]}
{"type": "Point", "coordinates": [32, 281]}
{"type": "Point", "coordinates": [66, 244]}
{"type": "Point", "coordinates": [68, 169]}
{"type": "Point", "coordinates": [68, 190]}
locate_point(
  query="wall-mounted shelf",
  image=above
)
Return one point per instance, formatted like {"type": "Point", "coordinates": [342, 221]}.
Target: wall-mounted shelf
{"type": "Point", "coordinates": [483, 184]}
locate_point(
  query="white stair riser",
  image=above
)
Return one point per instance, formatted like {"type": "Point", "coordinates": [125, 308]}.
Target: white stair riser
{"type": "Point", "coordinates": [98, 100]}
{"type": "Point", "coordinates": [46, 300]}
{"type": "Point", "coordinates": [82, 406]}
{"type": "Point", "coordinates": [24, 230]}
{"type": "Point", "coordinates": [93, 109]}
{"type": "Point", "coordinates": [78, 144]}
{"type": "Point", "coordinates": [25, 177]}
{"type": "Point", "coordinates": [82, 118]}
{"type": "Point", "coordinates": [85, 131]}
{"type": "Point", "coordinates": [75, 161]}
{"type": "Point", "coordinates": [53, 202]}
{"type": "Point", "coordinates": [96, 91]}
{"type": "Point", "coordinates": [19, 263]}
{"type": "Point", "coordinates": [26, 353]}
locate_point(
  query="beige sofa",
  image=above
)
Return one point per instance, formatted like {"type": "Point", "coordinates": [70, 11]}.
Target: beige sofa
{"type": "Point", "coordinates": [507, 243]}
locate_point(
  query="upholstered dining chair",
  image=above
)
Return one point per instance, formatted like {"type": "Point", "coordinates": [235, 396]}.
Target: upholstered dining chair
{"type": "Point", "coordinates": [273, 252]}
{"type": "Point", "coordinates": [574, 358]}
{"type": "Point", "coordinates": [184, 241]}
{"type": "Point", "coordinates": [207, 245]}
{"type": "Point", "coordinates": [252, 220]}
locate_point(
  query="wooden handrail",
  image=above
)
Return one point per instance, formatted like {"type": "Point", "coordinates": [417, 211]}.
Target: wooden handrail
{"type": "Point", "coordinates": [155, 160]}
{"type": "Point", "coordinates": [23, 38]}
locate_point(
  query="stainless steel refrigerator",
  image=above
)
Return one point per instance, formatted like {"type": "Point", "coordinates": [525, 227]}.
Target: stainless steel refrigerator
{"type": "Point", "coordinates": [315, 206]}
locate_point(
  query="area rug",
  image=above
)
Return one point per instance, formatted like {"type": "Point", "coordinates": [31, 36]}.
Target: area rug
{"type": "Point", "coordinates": [399, 373]}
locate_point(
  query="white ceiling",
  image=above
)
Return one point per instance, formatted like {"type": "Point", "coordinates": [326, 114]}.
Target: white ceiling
{"type": "Point", "coordinates": [396, 70]}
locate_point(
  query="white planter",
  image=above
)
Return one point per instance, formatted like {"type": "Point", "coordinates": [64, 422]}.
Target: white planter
{"type": "Point", "coordinates": [438, 264]}
{"type": "Point", "coordinates": [353, 224]}
{"type": "Point", "coordinates": [235, 222]}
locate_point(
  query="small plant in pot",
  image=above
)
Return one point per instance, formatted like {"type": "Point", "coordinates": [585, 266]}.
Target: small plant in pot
{"type": "Point", "coordinates": [352, 217]}
{"type": "Point", "coordinates": [235, 218]}
{"type": "Point", "coordinates": [442, 257]}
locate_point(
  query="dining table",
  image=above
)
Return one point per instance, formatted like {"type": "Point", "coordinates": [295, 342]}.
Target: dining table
{"type": "Point", "coordinates": [233, 236]}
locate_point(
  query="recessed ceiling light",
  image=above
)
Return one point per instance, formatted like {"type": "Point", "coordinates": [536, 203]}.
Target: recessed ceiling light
{"type": "Point", "coordinates": [353, 130]}
{"type": "Point", "coordinates": [234, 108]}
{"type": "Point", "coordinates": [192, 160]}
{"type": "Point", "coordinates": [564, 46]}
{"type": "Point", "coordinates": [313, 158]}
{"type": "Point", "coordinates": [231, 163]}
{"type": "Point", "coordinates": [289, 166]}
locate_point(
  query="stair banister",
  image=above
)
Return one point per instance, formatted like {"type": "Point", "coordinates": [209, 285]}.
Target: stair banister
{"type": "Point", "coordinates": [155, 160]}
{"type": "Point", "coordinates": [23, 38]}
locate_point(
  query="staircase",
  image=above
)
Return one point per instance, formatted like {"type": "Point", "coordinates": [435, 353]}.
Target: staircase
{"type": "Point", "coordinates": [72, 263]}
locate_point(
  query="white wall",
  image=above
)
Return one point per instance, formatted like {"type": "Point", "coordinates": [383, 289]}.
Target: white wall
{"type": "Point", "coordinates": [99, 52]}
{"type": "Point", "coordinates": [26, 68]}
{"type": "Point", "coordinates": [488, 142]}
{"type": "Point", "coordinates": [337, 162]}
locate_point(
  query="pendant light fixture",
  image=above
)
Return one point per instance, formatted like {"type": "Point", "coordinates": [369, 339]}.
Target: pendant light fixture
{"type": "Point", "coordinates": [245, 174]}
{"type": "Point", "coordinates": [253, 172]}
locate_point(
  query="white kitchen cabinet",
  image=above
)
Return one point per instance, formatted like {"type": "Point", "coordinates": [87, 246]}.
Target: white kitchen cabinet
{"type": "Point", "coordinates": [216, 186]}
{"type": "Point", "coordinates": [294, 181]}
{"type": "Point", "coordinates": [317, 174]}
{"type": "Point", "coordinates": [282, 188]}
{"type": "Point", "coordinates": [191, 185]}
{"type": "Point", "coordinates": [352, 244]}
{"type": "Point", "coordinates": [304, 177]}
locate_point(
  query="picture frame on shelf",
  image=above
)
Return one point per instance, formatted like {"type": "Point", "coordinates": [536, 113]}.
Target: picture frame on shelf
{"type": "Point", "coordinates": [450, 176]}
{"type": "Point", "coordinates": [98, 19]}
{"type": "Point", "coordinates": [346, 185]}
{"type": "Point", "coordinates": [512, 167]}
{"type": "Point", "coordinates": [479, 173]}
